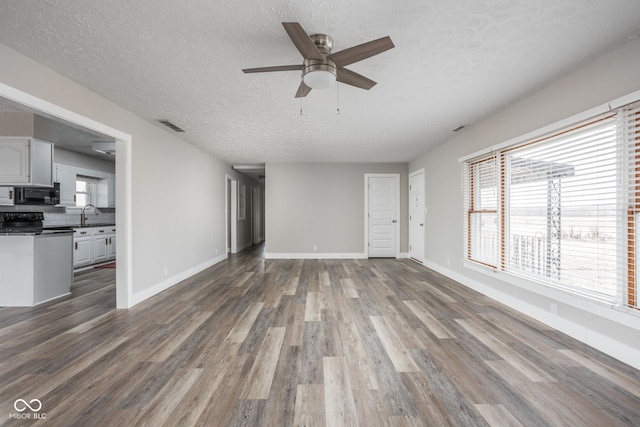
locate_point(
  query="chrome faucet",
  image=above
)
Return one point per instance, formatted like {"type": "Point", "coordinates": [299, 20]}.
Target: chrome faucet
{"type": "Point", "coordinates": [83, 216]}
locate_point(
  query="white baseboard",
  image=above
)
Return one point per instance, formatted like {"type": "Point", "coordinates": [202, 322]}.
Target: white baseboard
{"type": "Point", "coordinates": [403, 255]}
{"type": "Point", "coordinates": [315, 255]}
{"type": "Point", "coordinates": [174, 280]}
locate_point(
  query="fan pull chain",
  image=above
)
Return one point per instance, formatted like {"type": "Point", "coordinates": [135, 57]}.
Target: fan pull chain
{"type": "Point", "coordinates": [337, 98]}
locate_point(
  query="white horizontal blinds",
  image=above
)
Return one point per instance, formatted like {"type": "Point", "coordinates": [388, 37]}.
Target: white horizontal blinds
{"type": "Point", "coordinates": [482, 211]}
{"type": "Point", "coordinates": [85, 190]}
{"type": "Point", "coordinates": [563, 210]}
{"type": "Point", "coordinates": [629, 131]}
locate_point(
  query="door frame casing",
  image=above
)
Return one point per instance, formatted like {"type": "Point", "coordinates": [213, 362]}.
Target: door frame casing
{"type": "Point", "coordinates": [124, 213]}
{"type": "Point", "coordinates": [411, 175]}
{"type": "Point", "coordinates": [366, 209]}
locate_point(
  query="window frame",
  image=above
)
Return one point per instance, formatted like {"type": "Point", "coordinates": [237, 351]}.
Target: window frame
{"type": "Point", "coordinates": [632, 244]}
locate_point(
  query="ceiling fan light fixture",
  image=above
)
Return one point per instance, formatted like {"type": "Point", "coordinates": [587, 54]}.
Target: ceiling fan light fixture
{"type": "Point", "coordinates": [319, 74]}
{"type": "Point", "coordinates": [319, 79]}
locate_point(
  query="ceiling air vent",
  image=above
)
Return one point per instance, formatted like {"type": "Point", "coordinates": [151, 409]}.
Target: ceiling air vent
{"type": "Point", "coordinates": [171, 126]}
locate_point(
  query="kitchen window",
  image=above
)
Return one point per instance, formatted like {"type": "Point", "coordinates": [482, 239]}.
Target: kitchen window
{"type": "Point", "coordinates": [86, 188]}
{"type": "Point", "coordinates": [561, 209]}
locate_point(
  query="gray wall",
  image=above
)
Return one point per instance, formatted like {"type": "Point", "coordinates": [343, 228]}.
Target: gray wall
{"type": "Point", "coordinates": [615, 75]}
{"type": "Point", "coordinates": [66, 157]}
{"type": "Point", "coordinates": [322, 204]}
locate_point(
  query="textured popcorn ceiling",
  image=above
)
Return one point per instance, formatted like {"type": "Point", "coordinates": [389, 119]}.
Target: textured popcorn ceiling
{"type": "Point", "coordinates": [455, 62]}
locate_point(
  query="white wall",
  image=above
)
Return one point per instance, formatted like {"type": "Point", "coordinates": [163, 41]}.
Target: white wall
{"type": "Point", "coordinates": [603, 80]}
{"type": "Point", "coordinates": [322, 204]}
{"type": "Point", "coordinates": [177, 191]}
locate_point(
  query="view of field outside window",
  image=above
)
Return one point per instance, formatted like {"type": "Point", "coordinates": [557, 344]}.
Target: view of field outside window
{"type": "Point", "coordinates": [562, 202]}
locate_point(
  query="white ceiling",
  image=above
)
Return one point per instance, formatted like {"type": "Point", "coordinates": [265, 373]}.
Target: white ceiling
{"type": "Point", "coordinates": [455, 62]}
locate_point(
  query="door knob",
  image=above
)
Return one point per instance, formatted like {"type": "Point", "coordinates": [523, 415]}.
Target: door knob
{"type": "Point", "coordinates": [394, 221]}
{"type": "Point", "coordinates": [421, 225]}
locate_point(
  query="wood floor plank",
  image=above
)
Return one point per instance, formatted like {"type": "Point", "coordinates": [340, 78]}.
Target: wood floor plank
{"type": "Point", "coordinates": [525, 366]}
{"type": "Point", "coordinates": [399, 355]}
{"type": "Point", "coordinates": [498, 416]}
{"type": "Point", "coordinates": [313, 307]}
{"type": "Point", "coordinates": [360, 365]}
{"type": "Point", "coordinates": [629, 384]}
{"type": "Point", "coordinates": [349, 288]}
{"type": "Point", "coordinates": [339, 403]}
{"type": "Point", "coordinates": [309, 408]}
{"type": "Point", "coordinates": [436, 328]}
{"type": "Point", "coordinates": [242, 327]}
{"type": "Point", "coordinates": [249, 341]}
{"type": "Point", "coordinates": [264, 366]}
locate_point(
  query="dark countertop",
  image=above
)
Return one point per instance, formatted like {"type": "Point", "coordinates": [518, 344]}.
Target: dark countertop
{"type": "Point", "coordinates": [71, 227]}
{"type": "Point", "coordinates": [44, 232]}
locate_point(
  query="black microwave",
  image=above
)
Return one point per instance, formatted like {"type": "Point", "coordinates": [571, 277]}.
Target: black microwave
{"type": "Point", "coordinates": [38, 195]}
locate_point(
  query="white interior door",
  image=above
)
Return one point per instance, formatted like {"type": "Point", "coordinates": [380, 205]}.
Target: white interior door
{"type": "Point", "coordinates": [383, 215]}
{"type": "Point", "coordinates": [416, 215]}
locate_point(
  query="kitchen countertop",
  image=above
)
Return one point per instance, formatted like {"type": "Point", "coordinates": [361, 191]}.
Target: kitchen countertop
{"type": "Point", "coordinates": [44, 232]}
{"type": "Point", "coordinates": [70, 227]}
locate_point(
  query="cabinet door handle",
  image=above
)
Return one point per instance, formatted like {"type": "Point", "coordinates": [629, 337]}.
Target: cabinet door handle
{"type": "Point", "coordinates": [106, 242]}
{"type": "Point", "coordinates": [10, 194]}
{"type": "Point", "coordinates": [76, 246]}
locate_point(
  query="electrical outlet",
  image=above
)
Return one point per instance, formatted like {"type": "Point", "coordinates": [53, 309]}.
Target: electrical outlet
{"type": "Point", "coordinates": [315, 247]}
{"type": "Point", "coordinates": [166, 270]}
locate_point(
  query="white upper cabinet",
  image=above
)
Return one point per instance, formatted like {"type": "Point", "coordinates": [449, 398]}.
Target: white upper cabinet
{"type": "Point", "coordinates": [107, 192]}
{"type": "Point", "coordinates": [66, 176]}
{"type": "Point", "coordinates": [26, 162]}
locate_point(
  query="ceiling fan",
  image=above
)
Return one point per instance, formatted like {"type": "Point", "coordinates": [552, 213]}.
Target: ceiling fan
{"type": "Point", "coordinates": [321, 67]}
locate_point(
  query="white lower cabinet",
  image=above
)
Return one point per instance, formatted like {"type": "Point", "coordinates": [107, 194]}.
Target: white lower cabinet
{"type": "Point", "coordinates": [100, 242]}
{"type": "Point", "coordinates": [94, 245]}
{"type": "Point", "coordinates": [111, 247]}
{"type": "Point", "coordinates": [82, 247]}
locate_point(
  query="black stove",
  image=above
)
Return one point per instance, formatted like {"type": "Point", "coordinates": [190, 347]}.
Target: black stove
{"type": "Point", "coordinates": [21, 222]}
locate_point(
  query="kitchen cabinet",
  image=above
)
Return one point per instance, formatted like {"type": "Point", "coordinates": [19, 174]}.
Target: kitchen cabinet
{"type": "Point", "coordinates": [66, 176]}
{"type": "Point", "coordinates": [7, 197]}
{"type": "Point", "coordinates": [26, 162]}
{"type": "Point", "coordinates": [107, 192]}
{"type": "Point", "coordinates": [93, 245]}
{"type": "Point", "coordinates": [100, 243]}
{"type": "Point", "coordinates": [82, 247]}
{"type": "Point", "coordinates": [111, 246]}
{"type": "Point", "coordinates": [35, 268]}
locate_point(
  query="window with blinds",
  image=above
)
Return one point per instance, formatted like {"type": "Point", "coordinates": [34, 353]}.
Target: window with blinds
{"type": "Point", "coordinates": [85, 190]}
{"type": "Point", "coordinates": [482, 212]}
{"type": "Point", "coordinates": [562, 209]}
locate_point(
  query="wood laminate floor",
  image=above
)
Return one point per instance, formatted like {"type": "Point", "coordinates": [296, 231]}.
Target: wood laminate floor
{"type": "Point", "coordinates": [249, 342]}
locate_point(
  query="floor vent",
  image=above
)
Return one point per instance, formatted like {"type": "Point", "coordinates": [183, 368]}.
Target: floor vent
{"type": "Point", "coordinates": [171, 126]}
